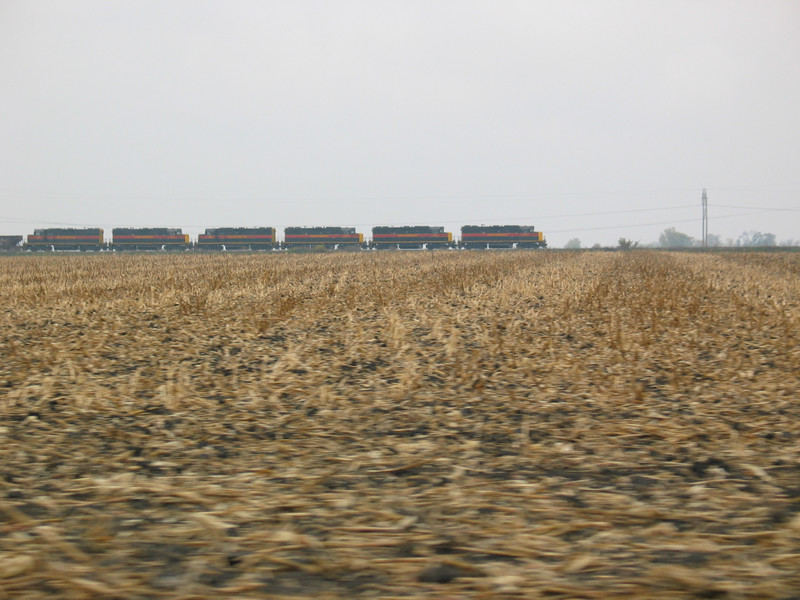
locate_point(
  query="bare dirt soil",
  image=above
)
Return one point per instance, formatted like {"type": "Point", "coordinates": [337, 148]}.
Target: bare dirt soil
{"type": "Point", "coordinates": [404, 425]}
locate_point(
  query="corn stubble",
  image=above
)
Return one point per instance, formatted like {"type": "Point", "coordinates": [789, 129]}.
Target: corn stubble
{"type": "Point", "coordinates": [462, 425]}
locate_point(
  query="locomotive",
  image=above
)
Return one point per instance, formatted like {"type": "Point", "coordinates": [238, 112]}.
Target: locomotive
{"type": "Point", "coordinates": [9, 242]}
{"type": "Point", "coordinates": [410, 237]}
{"type": "Point", "coordinates": [238, 238]}
{"type": "Point", "coordinates": [329, 238]}
{"type": "Point", "coordinates": [148, 238]}
{"type": "Point", "coordinates": [501, 236]}
{"type": "Point", "coordinates": [413, 237]}
{"type": "Point", "coordinates": [66, 239]}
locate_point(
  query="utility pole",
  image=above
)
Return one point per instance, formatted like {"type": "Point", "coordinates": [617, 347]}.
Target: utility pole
{"type": "Point", "coordinates": [705, 219]}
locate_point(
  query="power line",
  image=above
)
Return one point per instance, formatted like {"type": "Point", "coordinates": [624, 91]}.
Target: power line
{"type": "Point", "coordinates": [755, 190]}
{"type": "Point", "coordinates": [758, 208]}
{"type": "Point", "coordinates": [605, 227]}
{"type": "Point", "coordinates": [482, 219]}
{"type": "Point", "coordinates": [343, 197]}
{"type": "Point", "coordinates": [267, 198]}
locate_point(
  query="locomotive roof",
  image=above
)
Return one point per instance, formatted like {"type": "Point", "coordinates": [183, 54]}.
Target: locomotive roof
{"type": "Point", "coordinates": [408, 229]}
{"type": "Point", "coordinates": [69, 231]}
{"type": "Point", "coordinates": [237, 230]}
{"type": "Point", "coordinates": [147, 231]}
{"type": "Point", "coordinates": [319, 230]}
{"type": "Point", "coordinates": [497, 229]}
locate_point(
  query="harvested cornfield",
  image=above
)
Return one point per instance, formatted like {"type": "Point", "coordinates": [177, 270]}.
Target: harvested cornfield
{"type": "Point", "coordinates": [423, 425]}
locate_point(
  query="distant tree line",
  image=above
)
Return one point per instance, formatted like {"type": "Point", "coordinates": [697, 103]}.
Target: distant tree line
{"type": "Point", "coordinates": [672, 238]}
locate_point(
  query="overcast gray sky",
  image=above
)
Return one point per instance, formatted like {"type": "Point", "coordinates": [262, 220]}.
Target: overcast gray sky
{"type": "Point", "coordinates": [568, 115]}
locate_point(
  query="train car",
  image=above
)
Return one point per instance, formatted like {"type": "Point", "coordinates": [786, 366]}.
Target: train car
{"type": "Point", "coordinates": [410, 237]}
{"type": "Point", "coordinates": [148, 238]}
{"type": "Point", "coordinates": [327, 237]}
{"type": "Point", "coordinates": [66, 239]}
{"type": "Point", "coordinates": [501, 236]}
{"type": "Point", "coordinates": [10, 242]}
{"type": "Point", "coordinates": [238, 238]}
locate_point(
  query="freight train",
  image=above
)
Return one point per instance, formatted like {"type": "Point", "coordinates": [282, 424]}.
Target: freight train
{"type": "Point", "coordinates": [416, 237]}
